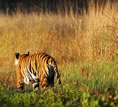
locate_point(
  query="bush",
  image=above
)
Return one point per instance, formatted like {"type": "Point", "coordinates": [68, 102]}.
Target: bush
{"type": "Point", "coordinates": [61, 97]}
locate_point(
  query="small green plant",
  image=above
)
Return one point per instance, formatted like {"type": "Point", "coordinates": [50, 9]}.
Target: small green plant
{"type": "Point", "coordinates": [68, 96]}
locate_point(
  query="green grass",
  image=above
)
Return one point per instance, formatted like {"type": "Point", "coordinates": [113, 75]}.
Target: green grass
{"type": "Point", "coordinates": [91, 76]}
{"type": "Point", "coordinates": [68, 96]}
{"type": "Point", "coordinates": [83, 85]}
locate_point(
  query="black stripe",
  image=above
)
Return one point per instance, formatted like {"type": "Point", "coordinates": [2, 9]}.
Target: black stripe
{"type": "Point", "coordinates": [35, 63]}
{"type": "Point", "coordinates": [59, 81]}
{"type": "Point", "coordinates": [30, 64]}
{"type": "Point", "coordinates": [29, 73]}
{"type": "Point", "coordinates": [38, 55]}
{"type": "Point", "coordinates": [30, 76]}
{"type": "Point", "coordinates": [37, 80]}
{"type": "Point", "coordinates": [48, 59]}
{"type": "Point", "coordinates": [36, 85]}
{"type": "Point", "coordinates": [21, 86]}
{"type": "Point", "coordinates": [42, 58]}
{"type": "Point", "coordinates": [45, 58]}
{"type": "Point", "coordinates": [41, 55]}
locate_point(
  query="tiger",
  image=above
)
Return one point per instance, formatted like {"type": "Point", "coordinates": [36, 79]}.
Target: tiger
{"type": "Point", "coordinates": [37, 69]}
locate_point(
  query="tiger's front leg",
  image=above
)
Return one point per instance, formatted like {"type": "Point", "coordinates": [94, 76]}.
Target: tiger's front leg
{"type": "Point", "coordinates": [20, 83]}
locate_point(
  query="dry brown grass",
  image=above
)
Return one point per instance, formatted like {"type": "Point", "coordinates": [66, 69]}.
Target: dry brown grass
{"type": "Point", "coordinates": [69, 38]}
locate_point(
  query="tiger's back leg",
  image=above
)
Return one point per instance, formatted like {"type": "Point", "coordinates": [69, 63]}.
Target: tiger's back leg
{"type": "Point", "coordinates": [47, 79]}
{"type": "Point", "coordinates": [43, 79]}
{"type": "Point", "coordinates": [44, 83]}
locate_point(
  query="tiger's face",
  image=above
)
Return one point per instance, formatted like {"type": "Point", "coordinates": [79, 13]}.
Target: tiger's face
{"type": "Point", "coordinates": [18, 56]}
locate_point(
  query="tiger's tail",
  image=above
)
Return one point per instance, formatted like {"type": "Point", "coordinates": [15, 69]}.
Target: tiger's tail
{"type": "Point", "coordinates": [57, 73]}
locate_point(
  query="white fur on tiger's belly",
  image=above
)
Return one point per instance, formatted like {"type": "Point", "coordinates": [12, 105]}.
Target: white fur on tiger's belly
{"type": "Point", "coordinates": [30, 77]}
{"type": "Point", "coordinates": [26, 80]}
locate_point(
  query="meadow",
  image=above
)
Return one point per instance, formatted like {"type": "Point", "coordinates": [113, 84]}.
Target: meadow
{"type": "Point", "coordinates": [84, 46]}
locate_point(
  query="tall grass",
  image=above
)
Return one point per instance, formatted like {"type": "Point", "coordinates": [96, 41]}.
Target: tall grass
{"type": "Point", "coordinates": [93, 78]}
{"type": "Point", "coordinates": [68, 37]}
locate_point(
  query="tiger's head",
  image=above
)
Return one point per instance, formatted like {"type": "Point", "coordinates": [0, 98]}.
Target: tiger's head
{"type": "Point", "coordinates": [20, 56]}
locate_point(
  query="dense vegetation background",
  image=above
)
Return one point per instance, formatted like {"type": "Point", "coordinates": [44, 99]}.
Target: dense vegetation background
{"type": "Point", "coordinates": [52, 5]}
{"type": "Point", "coordinates": [82, 35]}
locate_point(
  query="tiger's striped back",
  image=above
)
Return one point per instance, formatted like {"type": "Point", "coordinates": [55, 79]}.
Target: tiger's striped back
{"type": "Point", "coordinates": [37, 67]}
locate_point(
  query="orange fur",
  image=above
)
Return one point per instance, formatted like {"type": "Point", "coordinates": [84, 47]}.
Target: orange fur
{"type": "Point", "coordinates": [44, 65]}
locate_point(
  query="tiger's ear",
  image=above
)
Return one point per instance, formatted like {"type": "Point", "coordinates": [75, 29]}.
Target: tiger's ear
{"type": "Point", "coordinates": [28, 53]}
{"type": "Point", "coordinates": [17, 55]}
